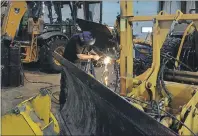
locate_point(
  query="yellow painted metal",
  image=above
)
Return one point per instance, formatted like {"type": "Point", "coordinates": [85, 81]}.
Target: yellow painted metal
{"type": "Point", "coordinates": [167, 121]}
{"type": "Point", "coordinates": [13, 16]}
{"type": "Point", "coordinates": [162, 25]}
{"type": "Point", "coordinates": [147, 90]}
{"type": "Point", "coordinates": [16, 10]}
{"type": "Point", "coordinates": [158, 35]}
{"type": "Point", "coordinates": [167, 17]}
{"type": "Point", "coordinates": [181, 93]}
{"type": "Point", "coordinates": [193, 102]}
{"type": "Point", "coordinates": [31, 117]}
{"type": "Point", "coordinates": [191, 122]}
{"type": "Point", "coordinates": [56, 126]}
{"type": "Point", "coordinates": [31, 51]}
{"type": "Point", "coordinates": [160, 31]}
{"type": "Point", "coordinates": [43, 110]}
{"type": "Point", "coordinates": [126, 54]}
{"type": "Point", "coordinates": [190, 116]}
{"type": "Point", "coordinates": [138, 106]}
{"type": "Point", "coordinates": [15, 125]}
{"type": "Point", "coordinates": [187, 31]}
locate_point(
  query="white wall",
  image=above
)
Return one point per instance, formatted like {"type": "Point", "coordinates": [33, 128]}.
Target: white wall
{"type": "Point", "coordinates": [171, 7]}
{"type": "Point", "coordinates": [144, 8]}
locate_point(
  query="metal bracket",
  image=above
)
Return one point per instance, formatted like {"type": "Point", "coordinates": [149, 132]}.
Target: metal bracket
{"type": "Point", "coordinates": [43, 92]}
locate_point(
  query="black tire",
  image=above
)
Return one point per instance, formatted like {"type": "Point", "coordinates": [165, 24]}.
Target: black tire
{"type": "Point", "coordinates": [170, 47]}
{"type": "Point", "coordinates": [47, 62]}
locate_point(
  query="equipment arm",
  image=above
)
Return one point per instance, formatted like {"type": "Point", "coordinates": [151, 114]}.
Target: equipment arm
{"type": "Point", "coordinates": [13, 16]}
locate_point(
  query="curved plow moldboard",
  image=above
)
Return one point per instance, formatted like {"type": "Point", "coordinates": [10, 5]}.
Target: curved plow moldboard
{"type": "Point", "coordinates": [93, 109]}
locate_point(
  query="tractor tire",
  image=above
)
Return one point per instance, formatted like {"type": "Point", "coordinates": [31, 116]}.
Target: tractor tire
{"type": "Point", "coordinates": [47, 62]}
{"type": "Point", "coordinates": [170, 47]}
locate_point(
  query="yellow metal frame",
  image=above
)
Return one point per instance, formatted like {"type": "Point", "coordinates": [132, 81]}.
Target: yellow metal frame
{"type": "Point", "coordinates": [162, 24]}
{"type": "Point", "coordinates": [126, 53]}
{"type": "Point", "coordinates": [31, 52]}
{"type": "Point", "coordinates": [16, 10]}
{"type": "Point", "coordinates": [144, 85]}
{"type": "Point", "coordinates": [189, 114]}
{"type": "Point", "coordinates": [31, 117]}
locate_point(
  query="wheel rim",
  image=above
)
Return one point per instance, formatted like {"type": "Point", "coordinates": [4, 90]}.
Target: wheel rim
{"type": "Point", "coordinates": [60, 51]}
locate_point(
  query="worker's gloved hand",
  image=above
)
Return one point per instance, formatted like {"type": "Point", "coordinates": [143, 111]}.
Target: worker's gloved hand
{"type": "Point", "coordinates": [96, 57]}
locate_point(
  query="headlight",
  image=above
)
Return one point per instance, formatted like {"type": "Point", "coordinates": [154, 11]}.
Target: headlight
{"type": "Point", "coordinates": [64, 30]}
{"type": "Point", "coordinates": [107, 60]}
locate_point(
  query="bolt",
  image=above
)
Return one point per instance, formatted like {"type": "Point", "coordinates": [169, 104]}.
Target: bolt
{"type": "Point", "coordinates": [16, 110]}
{"type": "Point", "coordinates": [43, 92]}
{"type": "Point", "coordinates": [139, 82]}
{"type": "Point", "coordinates": [148, 85]}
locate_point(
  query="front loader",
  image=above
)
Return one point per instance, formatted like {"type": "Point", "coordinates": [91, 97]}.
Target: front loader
{"type": "Point", "coordinates": [23, 24]}
{"type": "Point", "coordinates": [31, 25]}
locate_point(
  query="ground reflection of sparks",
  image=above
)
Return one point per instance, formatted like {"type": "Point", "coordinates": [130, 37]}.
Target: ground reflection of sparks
{"type": "Point", "coordinates": [106, 80]}
{"type": "Point", "coordinates": [107, 60]}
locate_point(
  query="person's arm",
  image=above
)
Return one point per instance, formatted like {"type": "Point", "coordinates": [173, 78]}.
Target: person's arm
{"type": "Point", "coordinates": [95, 55]}
{"type": "Point", "coordinates": [85, 57]}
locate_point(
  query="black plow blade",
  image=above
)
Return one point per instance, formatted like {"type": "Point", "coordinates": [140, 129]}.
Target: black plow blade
{"type": "Point", "coordinates": [92, 109]}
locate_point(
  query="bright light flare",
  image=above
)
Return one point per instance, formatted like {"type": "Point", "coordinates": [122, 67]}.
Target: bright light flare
{"type": "Point", "coordinates": [107, 60]}
{"type": "Point", "coordinates": [106, 80]}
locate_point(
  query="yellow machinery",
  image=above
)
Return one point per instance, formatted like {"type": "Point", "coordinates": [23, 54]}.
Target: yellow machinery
{"type": "Point", "coordinates": [33, 49]}
{"type": "Point", "coordinates": [31, 117]}
{"type": "Point", "coordinates": [11, 22]}
{"type": "Point", "coordinates": [181, 113]}
{"type": "Point", "coordinates": [183, 106]}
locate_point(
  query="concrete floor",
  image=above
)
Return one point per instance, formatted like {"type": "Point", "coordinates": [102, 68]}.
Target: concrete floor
{"type": "Point", "coordinates": [10, 97]}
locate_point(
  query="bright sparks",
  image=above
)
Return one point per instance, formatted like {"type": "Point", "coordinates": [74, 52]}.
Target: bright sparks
{"type": "Point", "coordinates": [107, 60]}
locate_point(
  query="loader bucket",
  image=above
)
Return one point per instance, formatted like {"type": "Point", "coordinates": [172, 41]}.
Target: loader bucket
{"type": "Point", "coordinates": [93, 109]}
